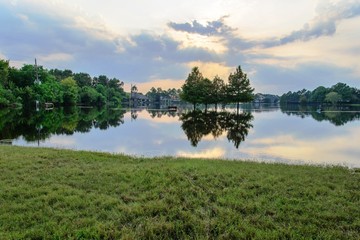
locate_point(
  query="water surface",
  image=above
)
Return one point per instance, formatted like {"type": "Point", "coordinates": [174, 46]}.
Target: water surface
{"type": "Point", "coordinates": [293, 134]}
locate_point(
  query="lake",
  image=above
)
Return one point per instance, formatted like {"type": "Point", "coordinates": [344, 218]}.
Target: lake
{"type": "Point", "coordinates": [292, 134]}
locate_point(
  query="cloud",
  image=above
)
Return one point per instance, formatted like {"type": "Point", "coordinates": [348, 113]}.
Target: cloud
{"type": "Point", "coordinates": [60, 40]}
{"type": "Point", "coordinates": [329, 16]}
{"type": "Point", "coordinates": [60, 36]}
{"type": "Point", "coordinates": [207, 153]}
{"type": "Point", "coordinates": [304, 75]}
{"type": "Point", "coordinates": [212, 28]}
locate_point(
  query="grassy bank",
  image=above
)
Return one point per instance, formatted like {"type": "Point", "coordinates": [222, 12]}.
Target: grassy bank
{"type": "Point", "coordinates": [60, 194]}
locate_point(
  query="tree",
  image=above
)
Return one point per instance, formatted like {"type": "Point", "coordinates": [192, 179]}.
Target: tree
{"type": "Point", "coordinates": [4, 73]}
{"type": "Point", "coordinates": [50, 91]}
{"type": "Point", "coordinates": [239, 89]}
{"type": "Point", "coordinates": [89, 96]}
{"type": "Point", "coordinates": [318, 95]}
{"type": "Point", "coordinates": [191, 90]}
{"type": "Point", "coordinates": [333, 97]}
{"type": "Point", "coordinates": [218, 90]}
{"type": "Point", "coordinates": [61, 74]}
{"type": "Point", "coordinates": [344, 90]}
{"type": "Point", "coordinates": [71, 91]}
{"type": "Point", "coordinates": [83, 79]}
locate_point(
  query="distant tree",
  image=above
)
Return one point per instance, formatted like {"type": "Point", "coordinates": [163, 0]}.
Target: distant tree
{"type": "Point", "coordinates": [344, 90]}
{"type": "Point", "coordinates": [89, 96]}
{"type": "Point", "coordinates": [71, 91]}
{"type": "Point", "coordinates": [102, 79]}
{"type": "Point", "coordinates": [50, 91]}
{"type": "Point", "coordinates": [61, 74]}
{"type": "Point", "coordinates": [6, 97]}
{"type": "Point", "coordinates": [333, 97]}
{"type": "Point", "coordinates": [218, 90]}
{"type": "Point", "coordinates": [205, 95]}
{"type": "Point", "coordinates": [318, 95]}
{"type": "Point", "coordinates": [83, 79]}
{"type": "Point", "coordinates": [239, 89]}
{"type": "Point", "coordinates": [22, 77]}
{"type": "Point", "coordinates": [4, 73]}
{"type": "Point", "coordinates": [152, 94]}
{"type": "Point", "coordinates": [191, 90]}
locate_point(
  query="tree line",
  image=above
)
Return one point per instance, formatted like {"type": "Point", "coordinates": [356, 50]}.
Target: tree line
{"type": "Point", "coordinates": [156, 94]}
{"type": "Point", "coordinates": [337, 94]}
{"type": "Point", "coordinates": [32, 83]}
{"type": "Point", "coordinates": [201, 90]}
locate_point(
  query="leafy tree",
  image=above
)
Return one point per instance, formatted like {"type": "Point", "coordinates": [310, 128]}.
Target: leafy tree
{"type": "Point", "coordinates": [6, 97]}
{"type": "Point", "coordinates": [344, 90]}
{"type": "Point", "coordinates": [318, 95]}
{"type": "Point", "coordinates": [4, 73]}
{"type": "Point", "coordinates": [71, 91]}
{"type": "Point", "coordinates": [333, 97]}
{"type": "Point", "coordinates": [191, 90]}
{"type": "Point", "coordinates": [239, 89]}
{"type": "Point", "coordinates": [50, 91]}
{"type": "Point", "coordinates": [23, 77]}
{"type": "Point", "coordinates": [218, 90]}
{"type": "Point", "coordinates": [102, 79]}
{"type": "Point", "coordinates": [83, 79]}
{"type": "Point", "coordinates": [61, 74]}
{"type": "Point", "coordinates": [88, 96]}
{"type": "Point", "coordinates": [206, 93]}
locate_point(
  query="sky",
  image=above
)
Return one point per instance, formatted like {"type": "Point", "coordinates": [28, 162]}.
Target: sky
{"type": "Point", "coordinates": [282, 45]}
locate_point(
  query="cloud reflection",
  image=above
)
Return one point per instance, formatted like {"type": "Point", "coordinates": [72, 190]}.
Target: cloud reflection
{"type": "Point", "coordinates": [341, 149]}
{"type": "Point", "coordinates": [217, 152]}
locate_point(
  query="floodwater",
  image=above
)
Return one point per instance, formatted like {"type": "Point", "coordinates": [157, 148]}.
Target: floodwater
{"type": "Point", "coordinates": [292, 134]}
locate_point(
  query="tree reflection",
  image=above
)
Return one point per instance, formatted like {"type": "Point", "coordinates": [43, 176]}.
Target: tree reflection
{"type": "Point", "coordinates": [197, 124]}
{"type": "Point", "coordinates": [337, 115]}
{"type": "Point", "coordinates": [36, 126]}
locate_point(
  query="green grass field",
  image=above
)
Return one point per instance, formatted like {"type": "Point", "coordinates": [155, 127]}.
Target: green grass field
{"type": "Point", "coordinates": [61, 194]}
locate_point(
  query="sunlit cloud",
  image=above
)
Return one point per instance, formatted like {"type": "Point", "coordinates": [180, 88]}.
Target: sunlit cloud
{"type": "Point", "coordinates": [211, 69]}
{"type": "Point", "coordinates": [275, 43]}
{"type": "Point", "coordinates": [209, 153]}
{"type": "Point", "coordinates": [164, 84]}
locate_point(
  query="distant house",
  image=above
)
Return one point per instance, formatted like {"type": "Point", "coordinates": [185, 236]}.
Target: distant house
{"type": "Point", "coordinates": [266, 98]}
{"type": "Point", "coordinates": [139, 99]}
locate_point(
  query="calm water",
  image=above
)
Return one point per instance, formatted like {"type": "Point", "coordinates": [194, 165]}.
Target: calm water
{"type": "Point", "coordinates": [262, 133]}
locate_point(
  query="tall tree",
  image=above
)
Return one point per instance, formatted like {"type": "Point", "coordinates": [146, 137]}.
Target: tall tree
{"type": "Point", "coordinates": [218, 90]}
{"type": "Point", "coordinates": [83, 79]}
{"type": "Point", "coordinates": [333, 97]}
{"type": "Point", "coordinates": [191, 90]}
{"type": "Point", "coordinates": [239, 89]}
{"type": "Point", "coordinates": [205, 95]}
{"type": "Point", "coordinates": [71, 91]}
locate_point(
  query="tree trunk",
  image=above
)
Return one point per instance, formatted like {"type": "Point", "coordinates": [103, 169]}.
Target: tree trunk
{"type": "Point", "coordinates": [237, 108]}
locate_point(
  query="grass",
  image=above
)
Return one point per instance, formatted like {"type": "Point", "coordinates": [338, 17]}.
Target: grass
{"type": "Point", "coordinates": [62, 194]}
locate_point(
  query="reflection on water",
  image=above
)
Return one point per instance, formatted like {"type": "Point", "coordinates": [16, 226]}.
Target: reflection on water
{"type": "Point", "coordinates": [295, 134]}
{"type": "Point", "coordinates": [197, 124]}
{"type": "Point", "coordinates": [36, 126]}
{"type": "Point", "coordinates": [337, 115]}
